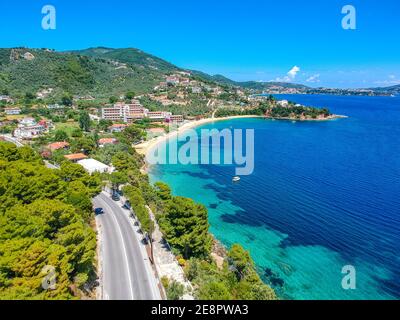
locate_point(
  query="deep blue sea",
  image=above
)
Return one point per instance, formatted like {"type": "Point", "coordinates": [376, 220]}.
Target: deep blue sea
{"type": "Point", "coordinates": [323, 195]}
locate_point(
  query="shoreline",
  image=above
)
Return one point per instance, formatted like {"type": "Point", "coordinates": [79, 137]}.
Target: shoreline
{"type": "Point", "coordinates": [145, 147]}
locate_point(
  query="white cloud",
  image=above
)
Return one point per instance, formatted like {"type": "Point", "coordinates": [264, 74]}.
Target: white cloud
{"type": "Point", "coordinates": [293, 72]}
{"type": "Point", "coordinates": [290, 76]}
{"type": "Point", "coordinates": [313, 78]}
{"type": "Point", "coordinates": [392, 81]}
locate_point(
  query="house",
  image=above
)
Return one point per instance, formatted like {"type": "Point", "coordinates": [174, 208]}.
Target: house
{"type": "Point", "coordinates": [176, 118]}
{"type": "Point", "coordinates": [75, 157]}
{"type": "Point", "coordinates": [196, 90]}
{"type": "Point", "coordinates": [28, 121]}
{"type": "Point", "coordinates": [6, 99]}
{"type": "Point", "coordinates": [47, 124]}
{"type": "Point", "coordinates": [155, 132]}
{"type": "Point", "coordinates": [58, 145]}
{"type": "Point", "coordinates": [28, 132]}
{"type": "Point", "coordinates": [12, 111]}
{"type": "Point", "coordinates": [158, 115]}
{"type": "Point", "coordinates": [92, 165]}
{"type": "Point", "coordinates": [54, 106]}
{"type": "Point", "coordinates": [283, 103]}
{"type": "Point", "coordinates": [124, 112]}
{"type": "Point", "coordinates": [103, 141]}
{"type": "Point", "coordinates": [118, 127]}
{"type": "Point", "coordinates": [172, 80]}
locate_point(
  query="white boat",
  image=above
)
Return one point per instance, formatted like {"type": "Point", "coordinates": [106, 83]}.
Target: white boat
{"type": "Point", "coordinates": [236, 179]}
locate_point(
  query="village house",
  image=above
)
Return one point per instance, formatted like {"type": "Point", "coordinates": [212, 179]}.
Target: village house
{"type": "Point", "coordinates": [176, 118]}
{"type": "Point", "coordinates": [54, 106]}
{"type": "Point", "coordinates": [75, 157]}
{"type": "Point", "coordinates": [174, 80]}
{"type": "Point", "coordinates": [283, 103]}
{"type": "Point", "coordinates": [196, 89]}
{"type": "Point", "coordinates": [104, 141]}
{"type": "Point", "coordinates": [155, 132]}
{"type": "Point", "coordinates": [92, 165]}
{"type": "Point", "coordinates": [44, 93]}
{"type": "Point", "coordinates": [118, 127]}
{"type": "Point", "coordinates": [28, 132]}
{"type": "Point", "coordinates": [7, 99]}
{"type": "Point", "coordinates": [27, 121]}
{"type": "Point", "coordinates": [58, 146]}
{"type": "Point", "coordinates": [12, 111]}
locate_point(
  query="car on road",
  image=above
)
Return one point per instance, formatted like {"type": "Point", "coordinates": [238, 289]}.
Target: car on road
{"type": "Point", "coordinates": [127, 205]}
{"type": "Point", "coordinates": [98, 211]}
{"type": "Point", "coordinates": [115, 196]}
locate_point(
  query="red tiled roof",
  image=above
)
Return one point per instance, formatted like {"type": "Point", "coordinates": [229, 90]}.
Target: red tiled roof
{"type": "Point", "coordinates": [107, 140]}
{"type": "Point", "coordinates": [75, 156]}
{"type": "Point", "coordinates": [58, 145]}
{"type": "Point", "coordinates": [117, 125]}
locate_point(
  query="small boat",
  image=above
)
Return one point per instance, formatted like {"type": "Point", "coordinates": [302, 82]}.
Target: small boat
{"type": "Point", "coordinates": [236, 179]}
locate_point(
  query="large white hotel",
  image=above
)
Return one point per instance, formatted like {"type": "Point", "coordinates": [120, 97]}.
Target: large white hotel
{"type": "Point", "coordinates": [133, 111]}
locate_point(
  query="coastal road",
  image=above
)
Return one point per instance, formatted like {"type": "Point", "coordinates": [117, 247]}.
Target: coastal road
{"type": "Point", "coordinates": [126, 272]}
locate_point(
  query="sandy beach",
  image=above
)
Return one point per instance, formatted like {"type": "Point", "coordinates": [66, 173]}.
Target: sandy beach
{"type": "Point", "coordinates": [145, 147]}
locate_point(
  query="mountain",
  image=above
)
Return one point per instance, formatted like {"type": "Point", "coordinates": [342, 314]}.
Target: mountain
{"type": "Point", "coordinates": [98, 71]}
{"type": "Point", "coordinates": [395, 90]}
{"type": "Point", "coordinates": [131, 56]}
{"type": "Point", "coordinates": [103, 72]}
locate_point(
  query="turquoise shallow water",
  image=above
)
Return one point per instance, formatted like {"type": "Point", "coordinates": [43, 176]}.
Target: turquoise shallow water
{"type": "Point", "coordinates": [323, 195]}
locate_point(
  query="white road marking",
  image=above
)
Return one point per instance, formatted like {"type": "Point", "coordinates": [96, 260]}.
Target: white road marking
{"type": "Point", "coordinates": [124, 248]}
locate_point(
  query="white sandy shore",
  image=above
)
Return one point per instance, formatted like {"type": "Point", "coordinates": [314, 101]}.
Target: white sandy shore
{"type": "Point", "coordinates": [145, 147]}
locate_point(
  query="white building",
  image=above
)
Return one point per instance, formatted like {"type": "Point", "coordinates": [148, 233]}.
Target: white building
{"type": "Point", "coordinates": [29, 132]}
{"type": "Point", "coordinates": [283, 103]}
{"type": "Point", "coordinates": [54, 106]}
{"type": "Point", "coordinates": [12, 111]}
{"type": "Point", "coordinates": [92, 165]}
{"type": "Point", "coordinates": [124, 112]}
{"type": "Point", "coordinates": [27, 122]}
{"type": "Point", "coordinates": [6, 99]}
{"type": "Point", "coordinates": [196, 90]}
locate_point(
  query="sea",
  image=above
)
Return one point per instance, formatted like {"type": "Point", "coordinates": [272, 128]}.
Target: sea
{"type": "Point", "coordinates": [320, 214]}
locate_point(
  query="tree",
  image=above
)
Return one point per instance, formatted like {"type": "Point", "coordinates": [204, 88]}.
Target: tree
{"type": "Point", "coordinates": [175, 290]}
{"type": "Point", "coordinates": [214, 291]}
{"type": "Point", "coordinates": [163, 190]}
{"type": "Point", "coordinates": [104, 124]}
{"type": "Point", "coordinates": [66, 100]}
{"type": "Point", "coordinates": [117, 178]}
{"type": "Point", "coordinates": [130, 95]}
{"type": "Point", "coordinates": [43, 221]}
{"type": "Point", "coordinates": [77, 133]}
{"type": "Point", "coordinates": [185, 226]}
{"type": "Point", "coordinates": [134, 134]}
{"type": "Point", "coordinates": [240, 260]}
{"type": "Point", "coordinates": [113, 99]}
{"type": "Point", "coordinates": [84, 121]}
{"type": "Point", "coordinates": [60, 135]}
{"type": "Point", "coordinates": [83, 144]}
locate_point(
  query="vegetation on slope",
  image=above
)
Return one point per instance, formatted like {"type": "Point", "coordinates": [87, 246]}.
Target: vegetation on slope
{"type": "Point", "coordinates": [44, 221]}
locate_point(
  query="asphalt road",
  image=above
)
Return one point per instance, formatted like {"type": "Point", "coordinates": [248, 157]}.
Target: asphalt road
{"type": "Point", "coordinates": [126, 270]}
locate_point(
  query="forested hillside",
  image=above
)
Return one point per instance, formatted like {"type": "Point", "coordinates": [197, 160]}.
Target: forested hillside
{"type": "Point", "coordinates": [44, 227]}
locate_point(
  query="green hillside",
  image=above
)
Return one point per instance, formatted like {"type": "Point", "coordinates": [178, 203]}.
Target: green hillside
{"type": "Point", "coordinates": [77, 73]}
{"type": "Point", "coordinates": [132, 56]}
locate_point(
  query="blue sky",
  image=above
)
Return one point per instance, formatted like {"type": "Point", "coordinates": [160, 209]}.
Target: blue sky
{"type": "Point", "coordinates": [260, 40]}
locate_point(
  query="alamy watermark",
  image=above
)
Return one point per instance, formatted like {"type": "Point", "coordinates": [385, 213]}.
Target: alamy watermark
{"type": "Point", "coordinates": [349, 280]}
{"type": "Point", "coordinates": [349, 21]}
{"type": "Point", "coordinates": [192, 147]}
{"type": "Point", "coordinates": [49, 20]}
